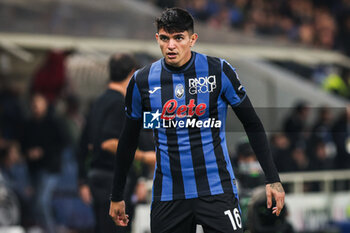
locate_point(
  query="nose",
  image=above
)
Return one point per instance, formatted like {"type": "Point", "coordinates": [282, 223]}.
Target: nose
{"type": "Point", "coordinates": [171, 44]}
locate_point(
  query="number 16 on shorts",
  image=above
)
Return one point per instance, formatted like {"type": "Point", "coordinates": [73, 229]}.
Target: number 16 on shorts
{"type": "Point", "coordinates": [235, 218]}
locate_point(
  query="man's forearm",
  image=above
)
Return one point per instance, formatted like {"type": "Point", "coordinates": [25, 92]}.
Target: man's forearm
{"type": "Point", "coordinates": [110, 145]}
{"type": "Point", "coordinates": [257, 138]}
{"type": "Point", "coordinates": [125, 155]}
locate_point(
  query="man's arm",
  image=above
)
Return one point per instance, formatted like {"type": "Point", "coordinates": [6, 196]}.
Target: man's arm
{"type": "Point", "coordinates": [147, 157]}
{"type": "Point", "coordinates": [258, 140]}
{"type": "Point", "coordinates": [125, 155]}
{"type": "Point", "coordinates": [84, 151]}
{"type": "Point", "coordinates": [110, 145]}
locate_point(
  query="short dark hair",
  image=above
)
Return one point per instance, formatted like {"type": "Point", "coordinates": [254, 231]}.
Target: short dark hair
{"type": "Point", "coordinates": [175, 20]}
{"type": "Point", "coordinates": [120, 65]}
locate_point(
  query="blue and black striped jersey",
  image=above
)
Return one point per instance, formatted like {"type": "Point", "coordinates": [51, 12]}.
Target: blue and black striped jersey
{"type": "Point", "coordinates": [191, 104]}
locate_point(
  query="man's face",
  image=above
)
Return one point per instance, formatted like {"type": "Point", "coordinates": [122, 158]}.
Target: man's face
{"type": "Point", "coordinates": [176, 47]}
{"type": "Point", "coordinates": [39, 106]}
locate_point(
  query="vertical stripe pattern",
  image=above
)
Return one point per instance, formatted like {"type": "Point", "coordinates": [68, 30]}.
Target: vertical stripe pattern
{"type": "Point", "coordinates": [208, 147]}
{"type": "Point", "coordinates": [215, 68]}
{"type": "Point", "coordinates": [144, 83]}
{"type": "Point", "coordinates": [167, 93]}
{"type": "Point", "coordinates": [183, 139]}
{"type": "Point", "coordinates": [198, 160]}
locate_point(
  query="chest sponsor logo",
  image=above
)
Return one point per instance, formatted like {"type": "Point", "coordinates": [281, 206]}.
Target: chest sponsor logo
{"type": "Point", "coordinates": [175, 116]}
{"type": "Point", "coordinates": [202, 85]}
{"type": "Point", "coordinates": [172, 110]}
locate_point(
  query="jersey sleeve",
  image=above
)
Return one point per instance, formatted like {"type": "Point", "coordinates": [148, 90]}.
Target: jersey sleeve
{"type": "Point", "coordinates": [133, 106]}
{"type": "Point", "coordinates": [232, 89]}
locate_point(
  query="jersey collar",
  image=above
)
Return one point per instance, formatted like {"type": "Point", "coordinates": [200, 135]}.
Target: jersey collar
{"type": "Point", "coordinates": [181, 69]}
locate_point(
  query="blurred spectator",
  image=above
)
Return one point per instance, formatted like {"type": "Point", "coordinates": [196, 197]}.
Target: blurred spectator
{"type": "Point", "coordinates": [300, 162]}
{"type": "Point", "coordinates": [288, 158]}
{"type": "Point", "coordinates": [322, 134]}
{"type": "Point", "coordinates": [341, 136]}
{"type": "Point", "coordinates": [319, 161]}
{"type": "Point", "coordinates": [50, 78]}
{"type": "Point", "coordinates": [73, 119]}
{"type": "Point", "coordinates": [249, 172]}
{"type": "Point", "coordinates": [15, 174]}
{"type": "Point", "coordinates": [319, 158]}
{"type": "Point", "coordinates": [221, 19]}
{"type": "Point", "coordinates": [280, 149]}
{"type": "Point", "coordinates": [338, 83]}
{"type": "Point", "coordinates": [322, 127]}
{"type": "Point", "coordinates": [11, 114]}
{"type": "Point", "coordinates": [99, 143]}
{"type": "Point", "coordinates": [238, 12]}
{"type": "Point", "coordinates": [200, 9]}
{"type": "Point", "coordinates": [295, 124]}
{"type": "Point", "coordinates": [344, 32]}
{"type": "Point", "coordinates": [307, 34]}
{"type": "Point", "coordinates": [325, 28]}
{"type": "Point", "coordinates": [43, 142]}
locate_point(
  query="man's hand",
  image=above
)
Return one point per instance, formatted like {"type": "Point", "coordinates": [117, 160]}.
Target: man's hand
{"type": "Point", "coordinates": [276, 191]}
{"type": "Point", "coordinates": [85, 194]}
{"type": "Point", "coordinates": [117, 212]}
{"type": "Point", "coordinates": [147, 157]}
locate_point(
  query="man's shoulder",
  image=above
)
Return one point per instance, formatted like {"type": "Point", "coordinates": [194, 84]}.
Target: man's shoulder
{"type": "Point", "coordinates": [109, 98]}
{"type": "Point", "coordinates": [205, 57]}
{"type": "Point", "coordinates": [143, 71]}
{"type": "Point", "coordinates": [142, 74]}
{"type": "Point", "coordinates": [146, 69]}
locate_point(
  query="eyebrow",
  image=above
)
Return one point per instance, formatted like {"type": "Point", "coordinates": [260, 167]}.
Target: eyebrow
{"type": "Point", "coordinates": [172, 35]}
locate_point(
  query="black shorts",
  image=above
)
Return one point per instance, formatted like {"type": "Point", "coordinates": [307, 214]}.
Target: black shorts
{"type": "Point", "coordinates": [218, 213]}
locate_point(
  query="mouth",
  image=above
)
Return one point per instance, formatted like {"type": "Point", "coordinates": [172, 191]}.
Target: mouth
{"type": "Point", "coordinates": [171, 55]}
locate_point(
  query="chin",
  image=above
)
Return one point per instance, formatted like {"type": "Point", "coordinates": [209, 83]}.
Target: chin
{"type": "Point", "coordinates": [171, 62]}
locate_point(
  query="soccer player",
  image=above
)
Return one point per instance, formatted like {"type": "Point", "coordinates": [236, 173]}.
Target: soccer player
{"type": "Point", "coordinates": [187, 94]}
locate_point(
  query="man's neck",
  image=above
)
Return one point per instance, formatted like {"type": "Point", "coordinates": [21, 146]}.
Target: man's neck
{"type": "Point", "coordinates": [174, 68]}
{"type": "Point", "coordinates": [117, 87]}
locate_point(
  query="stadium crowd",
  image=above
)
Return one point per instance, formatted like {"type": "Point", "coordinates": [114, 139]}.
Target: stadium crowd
{"type": "Point", "coordinates": [311, 23]}
{"type": "Point", "coordinates": [321, 24]}
{"type": "Point", "coordinates": [302, 145]}
{"type": "Point", "coordinates": [40, 135]}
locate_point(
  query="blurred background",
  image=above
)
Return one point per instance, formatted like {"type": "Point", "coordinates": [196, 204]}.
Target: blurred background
{"type": "Point", "coordinates": [291, 55]}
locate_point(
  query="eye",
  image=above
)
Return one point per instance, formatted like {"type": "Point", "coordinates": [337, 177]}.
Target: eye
{"type": "Point", "coordinates": [164, 38]}
{"type": "Point", "coordinates": [179, 38]}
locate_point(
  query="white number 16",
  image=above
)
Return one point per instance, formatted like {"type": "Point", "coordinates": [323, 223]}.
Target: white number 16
{"type": "Point", "coordinates": [236, 221]}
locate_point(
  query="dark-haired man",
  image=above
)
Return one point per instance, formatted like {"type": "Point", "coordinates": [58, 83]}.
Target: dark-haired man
{"type": "Point", "coordinates": [184, 97]}
{"type": "Point", "coordinates": [101, 136]}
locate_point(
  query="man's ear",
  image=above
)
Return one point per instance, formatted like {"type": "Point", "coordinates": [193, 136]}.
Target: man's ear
{"type": "Point", "coordinates": [157, 36]}
{"type": "Point", "coordinates": [194, 38]}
